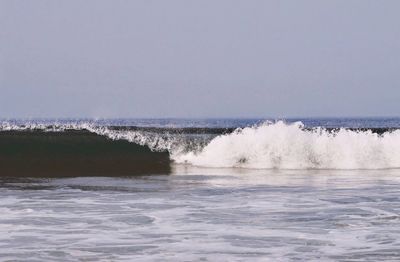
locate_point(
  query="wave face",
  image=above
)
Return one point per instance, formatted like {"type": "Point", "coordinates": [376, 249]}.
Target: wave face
{"type": "Point", "coordinates": [269, 145]}
{"type": "Point", "coordinates": [34, 153]}
{"type": "Point", "coordinates": [289, 146]}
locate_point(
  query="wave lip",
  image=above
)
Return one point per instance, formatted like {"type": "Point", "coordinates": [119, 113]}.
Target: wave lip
{"type": "Point", "coordinates": [289, 146]}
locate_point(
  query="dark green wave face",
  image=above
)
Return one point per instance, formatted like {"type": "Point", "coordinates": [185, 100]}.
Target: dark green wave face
{"type": "Point", "coordinates": [75, 153]}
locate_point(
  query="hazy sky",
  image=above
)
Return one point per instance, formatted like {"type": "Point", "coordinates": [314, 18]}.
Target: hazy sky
{"type": "Point", "coordinates": [217, 58]}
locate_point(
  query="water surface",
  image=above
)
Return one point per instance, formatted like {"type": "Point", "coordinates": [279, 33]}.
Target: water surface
{"type": "Point", "coordinates": [184, 190]}
{"type": "Point", "coordinates": [204, 214]}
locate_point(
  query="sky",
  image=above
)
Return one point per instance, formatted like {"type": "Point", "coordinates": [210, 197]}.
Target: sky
{"type": "Point", "coordinates": [196, 59]}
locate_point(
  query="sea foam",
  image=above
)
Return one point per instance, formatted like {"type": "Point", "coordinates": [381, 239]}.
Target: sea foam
{"type": "Point", "coordinates": [289, 146]}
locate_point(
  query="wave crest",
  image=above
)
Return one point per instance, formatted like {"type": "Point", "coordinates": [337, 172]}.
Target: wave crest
{"type": "Point", "coordinates": [269, 145]}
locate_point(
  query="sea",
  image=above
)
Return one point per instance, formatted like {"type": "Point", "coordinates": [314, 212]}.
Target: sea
{"type": "Point", "coordinates": [200, 189]}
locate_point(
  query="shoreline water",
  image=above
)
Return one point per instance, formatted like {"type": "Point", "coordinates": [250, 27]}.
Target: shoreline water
{"type": "Point", "coordinates": [204, 214]}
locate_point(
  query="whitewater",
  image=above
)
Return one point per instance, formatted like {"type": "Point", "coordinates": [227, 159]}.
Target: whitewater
{"type": "Point", "coordinates": [289, 146]}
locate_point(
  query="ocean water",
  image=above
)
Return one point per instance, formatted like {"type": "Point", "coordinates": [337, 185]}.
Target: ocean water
{"type": "Point", "coordinates": [199, 190]}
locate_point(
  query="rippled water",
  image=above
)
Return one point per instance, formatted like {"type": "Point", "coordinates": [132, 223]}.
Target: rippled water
{"type": "Point", "coordinates": [204, 214]}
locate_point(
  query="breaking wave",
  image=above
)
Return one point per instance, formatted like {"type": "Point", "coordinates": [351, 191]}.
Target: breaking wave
{"type": "Point", "coordinates": [271, 145]}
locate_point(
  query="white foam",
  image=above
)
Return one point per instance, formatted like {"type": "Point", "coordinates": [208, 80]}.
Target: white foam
{"type": "Point", "coordinates": [289, 146]}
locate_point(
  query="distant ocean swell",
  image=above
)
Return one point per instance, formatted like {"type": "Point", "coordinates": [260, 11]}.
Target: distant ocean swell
{"type": "Point", "coordinates": [86, 149]}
